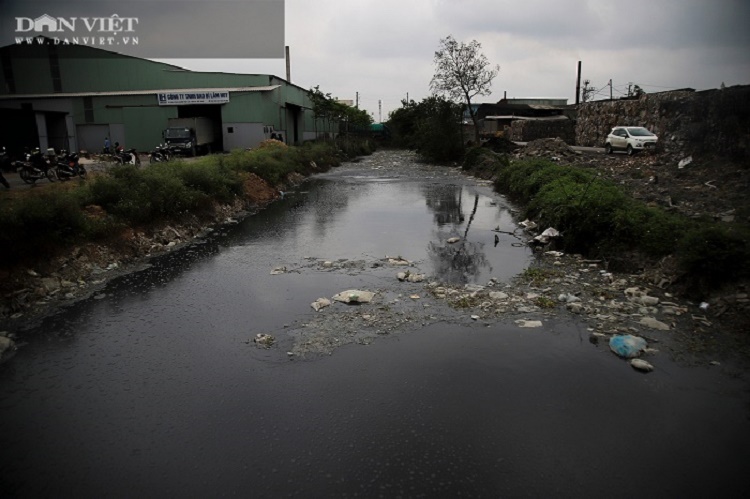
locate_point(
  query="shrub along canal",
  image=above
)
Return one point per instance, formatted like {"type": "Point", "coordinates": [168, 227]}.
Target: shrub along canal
{"type": "Point", "coordinates": [155, 387]}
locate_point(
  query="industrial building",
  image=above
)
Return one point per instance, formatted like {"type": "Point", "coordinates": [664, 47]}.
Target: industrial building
{"type": "Point", "coordinates": [73, 97]}
{"type": "Point", "coordinates": [521, 119]}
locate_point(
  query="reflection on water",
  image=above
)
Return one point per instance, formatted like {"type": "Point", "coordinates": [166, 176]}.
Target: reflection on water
{"type": "Point", "coordinates": [461, 262]}
{"type": "Point", "coordinates": [445, 200]}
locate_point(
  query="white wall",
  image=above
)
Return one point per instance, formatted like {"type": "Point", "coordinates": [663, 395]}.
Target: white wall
{"type": "Point", "coordinates": [243, 135]}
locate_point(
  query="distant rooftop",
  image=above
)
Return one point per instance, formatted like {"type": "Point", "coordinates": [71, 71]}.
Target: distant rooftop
{"type": "Point", "coordinates": [536, 101]}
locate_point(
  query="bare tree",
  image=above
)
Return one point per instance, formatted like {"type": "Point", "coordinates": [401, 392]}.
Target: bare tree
{"type": "Point", "coordinates": [462, 72]}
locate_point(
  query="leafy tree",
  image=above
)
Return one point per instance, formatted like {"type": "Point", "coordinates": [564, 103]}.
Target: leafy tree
{"type": "Point", "coordinates": [403, 122]}
{"type": "Point", "coordinates": [321, 106]}
{"type": "Point", "coordinates": [438, 128]}
{"type": "Point", "coordinates": [327, 110]}
{"type": "Point", "coordinates": [432, 127]}
{"type": "Point", "coordinates": [635, 91]}
{"type": "Point", "coordinates": [462, 72]}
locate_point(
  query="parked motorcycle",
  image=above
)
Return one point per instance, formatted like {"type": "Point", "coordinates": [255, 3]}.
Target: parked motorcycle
{"type": "Point", "coordinates": [67, 166]}
{"type": "Point", "coordinates": [160, 154]}
{"type": "Point", "coordinates": [127, 156]}
{"type": "Point", "coordinates": [35, 167]}
{"type": "Point", "coordinates": [5, 163]}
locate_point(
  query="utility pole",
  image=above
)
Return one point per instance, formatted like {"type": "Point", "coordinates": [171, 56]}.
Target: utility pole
{"type": "Point", "coordinates": [610, 89]}
{"type": "Point", "coordinates": [357, 105]}
{"type": "Point", "coordinates": [380, 111]}
{"type": "Point", "coordinates": [578, 84]}
{"type": "Point", "coordinates": [407, 98]}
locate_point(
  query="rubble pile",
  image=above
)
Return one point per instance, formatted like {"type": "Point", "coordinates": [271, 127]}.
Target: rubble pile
{"type": "Point", "coordinates": [554, 149]}
{"type": "Point", "coordinates": [501, 145]}
{"type": "Point", "coordinates": [706, 186]}
{"type": "Point", "coordinates": [271, 143]}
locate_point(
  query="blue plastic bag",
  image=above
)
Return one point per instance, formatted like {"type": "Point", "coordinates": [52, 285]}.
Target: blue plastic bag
{"type": "Point", "coordinates": [627, 345]}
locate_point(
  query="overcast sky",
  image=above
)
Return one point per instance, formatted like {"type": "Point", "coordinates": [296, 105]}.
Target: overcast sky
{"type": "Point", "coordinates": [384, 48]}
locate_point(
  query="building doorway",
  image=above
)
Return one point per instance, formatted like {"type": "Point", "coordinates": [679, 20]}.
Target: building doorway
{"type": "Point", "coordinates": [210, 111]}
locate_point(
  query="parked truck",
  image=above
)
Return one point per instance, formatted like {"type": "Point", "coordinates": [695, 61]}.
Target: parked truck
{"type": "Point", "coordinates": [190, 136]}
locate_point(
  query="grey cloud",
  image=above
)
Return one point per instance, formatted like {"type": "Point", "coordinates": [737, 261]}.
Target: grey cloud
{"type": "Point", "coordinates": [384, 29]}
{"type": "Point", "coordinates": [591, 24]}
{"type": "Point", "coordinates": [537, 18]}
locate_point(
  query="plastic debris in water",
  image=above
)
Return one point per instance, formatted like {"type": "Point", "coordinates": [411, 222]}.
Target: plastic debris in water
{"type": "Point", "coordinates": [627, 345]}
{"type": "Point", "coordinates": [641, 365]}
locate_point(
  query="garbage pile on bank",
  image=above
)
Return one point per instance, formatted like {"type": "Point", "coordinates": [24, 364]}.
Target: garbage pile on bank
{"type": "Point", "coordinates": [554, 149]}
{"type": "Point", "coordinates": [613, 305]}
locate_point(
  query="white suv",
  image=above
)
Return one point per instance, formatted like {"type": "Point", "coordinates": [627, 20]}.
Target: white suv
{"type": "Point", "coordinates": [630, 139]}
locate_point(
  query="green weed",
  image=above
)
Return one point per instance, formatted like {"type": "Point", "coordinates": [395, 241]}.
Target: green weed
{"type": "Point", "coordinates": [598, 218]}
{"type": "Point", "coordinates": [545, 302]}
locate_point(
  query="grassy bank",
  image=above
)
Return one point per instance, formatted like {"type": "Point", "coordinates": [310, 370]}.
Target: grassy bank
{"type": "Point", "coordinates": [41, 223]}
{"type": "Point", "coordinates": [599, 219]}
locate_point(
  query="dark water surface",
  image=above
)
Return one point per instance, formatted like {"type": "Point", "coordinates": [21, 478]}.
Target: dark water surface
{"type": "Point", "coordinates": [154, 390]}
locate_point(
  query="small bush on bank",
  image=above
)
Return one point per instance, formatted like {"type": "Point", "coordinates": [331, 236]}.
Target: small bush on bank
{"type": "Point", "coordinates": [356, 147]}
{"type": "Point", "coordinates": [525, 178]}
{"type": "Point", "coordinates": [472, 157]}
{"type": "Point", "coordinates": [712, 255]}
{"type": "Point", "coordinates": [653, 230]}
{"type": "Point", "coordinates": [271, 164]}
{"type": "Point", "coordinates": [142, 195]}
{"type": "Point", "coordinates": [484, 163]}
{"type": "Point", "coordinates": [583, 212]}
{"type": "Point", "coordinates": [211, 178]}
{"type": "Point", "coordinates": [39, 223]}
{"type": "Point", "coordinates": [324, 155]}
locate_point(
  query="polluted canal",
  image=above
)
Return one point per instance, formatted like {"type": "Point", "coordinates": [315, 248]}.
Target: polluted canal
{"type": "Point", "coordinates": [209, 373]}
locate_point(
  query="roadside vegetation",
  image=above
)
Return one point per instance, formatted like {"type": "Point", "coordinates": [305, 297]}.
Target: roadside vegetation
{"type": "Point", "coordinates": [49, 219]}
{"type": "Point", "coordinates": [597, 218]}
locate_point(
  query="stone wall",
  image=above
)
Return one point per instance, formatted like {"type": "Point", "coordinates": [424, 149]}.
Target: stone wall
{"type": "Point", "coordinates": [528, 130]}
{"type": "Point", "coordinates": [711, 121]}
